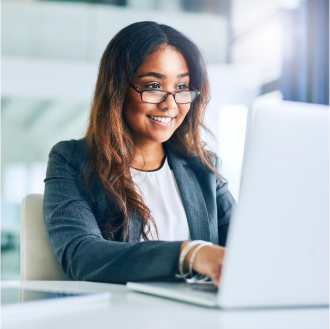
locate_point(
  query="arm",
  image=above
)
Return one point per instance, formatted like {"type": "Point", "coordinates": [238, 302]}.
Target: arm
{"type": "Point", "coordinates": [77, 240]}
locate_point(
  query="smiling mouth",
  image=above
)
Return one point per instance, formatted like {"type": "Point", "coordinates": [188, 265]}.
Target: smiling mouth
{"type": "Point", "coordinates": [160, 119]}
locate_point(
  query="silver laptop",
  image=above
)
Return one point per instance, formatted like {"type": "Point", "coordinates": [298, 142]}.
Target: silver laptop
{"type": "Point", "coordinates": [278, 242]}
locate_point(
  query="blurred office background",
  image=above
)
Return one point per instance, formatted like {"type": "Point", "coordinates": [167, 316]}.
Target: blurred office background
{"type": "Point", "coordinates": [257, 51]}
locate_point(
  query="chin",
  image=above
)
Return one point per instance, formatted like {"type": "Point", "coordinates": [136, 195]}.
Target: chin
{"type": "Point", "coordinates": [162, 139]}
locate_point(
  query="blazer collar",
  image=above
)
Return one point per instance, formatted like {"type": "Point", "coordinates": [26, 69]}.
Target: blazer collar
{"type": "Point", "coordinates": [191, 193]}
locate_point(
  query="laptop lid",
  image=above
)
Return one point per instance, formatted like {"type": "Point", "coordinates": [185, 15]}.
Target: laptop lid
{"type": "Point", "coordinates": [278, 242]}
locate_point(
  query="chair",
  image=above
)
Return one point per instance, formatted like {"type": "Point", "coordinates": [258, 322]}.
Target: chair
{"type": "Point", "coordinates": [38, 261]}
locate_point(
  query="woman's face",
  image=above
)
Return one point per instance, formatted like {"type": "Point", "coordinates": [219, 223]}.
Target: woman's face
{"type": "Point", "coordinates": [165, 69]}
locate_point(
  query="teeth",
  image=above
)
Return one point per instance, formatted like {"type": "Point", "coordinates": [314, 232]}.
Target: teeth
{"type": "Point", "coordinates": [160, 119]}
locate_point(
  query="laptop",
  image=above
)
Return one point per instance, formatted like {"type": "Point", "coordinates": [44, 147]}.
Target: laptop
{"type": "Point", "coordinates": [278, 242]}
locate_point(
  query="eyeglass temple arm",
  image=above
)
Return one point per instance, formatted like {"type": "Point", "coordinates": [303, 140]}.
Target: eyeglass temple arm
{"type": "Point", "coordinates": [136, 88]}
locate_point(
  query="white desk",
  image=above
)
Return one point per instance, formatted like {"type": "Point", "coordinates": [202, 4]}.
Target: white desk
{"type": "Point", "coordinates": [126, 309]}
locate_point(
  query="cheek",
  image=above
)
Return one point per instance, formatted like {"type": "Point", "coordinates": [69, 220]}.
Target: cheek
{"type": "Point", "coordinates": [135, 115]}
{"type": "Point", "coordinates": [184, 110]}
{"type": "Point", "coordinates": [132, 108]}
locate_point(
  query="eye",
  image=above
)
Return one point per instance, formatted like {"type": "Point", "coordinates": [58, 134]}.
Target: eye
{"type": "Point", "coordinates": [152, 85]}
{"type": "Point", "coordinates": [183, 87]}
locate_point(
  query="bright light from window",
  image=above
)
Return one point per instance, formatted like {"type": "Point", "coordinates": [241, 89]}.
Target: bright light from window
{"type": "Point", "coordinates": [21, 179]}
{"type": "Point", "coordinates": [289, 4]}
{"type": "Point", "coordinates": [16, 179]}
{"type": "Point", "coordinates": [232, 128]}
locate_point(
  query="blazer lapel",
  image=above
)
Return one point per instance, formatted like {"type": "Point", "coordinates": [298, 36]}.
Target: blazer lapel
{"type": "Point", "coordinates": [191, 195]}
{"type": "Point", "coordinates": [134, 234]}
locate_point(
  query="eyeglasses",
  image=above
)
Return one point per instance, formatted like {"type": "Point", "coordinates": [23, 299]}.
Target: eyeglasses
{"type": "Point", "coordinates": [159, 96]}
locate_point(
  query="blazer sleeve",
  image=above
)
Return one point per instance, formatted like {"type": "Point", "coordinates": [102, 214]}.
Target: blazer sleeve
{"type": "Point", "coordinates": [77, 241]}
{"type": "Point", "coordinates": [225, 206]}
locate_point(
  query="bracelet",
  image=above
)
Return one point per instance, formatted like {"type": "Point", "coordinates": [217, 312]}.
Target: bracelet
{"type": "Point", "coordinates": [192, 258]}
{"type": "Point", "coordinates": [183, 255]}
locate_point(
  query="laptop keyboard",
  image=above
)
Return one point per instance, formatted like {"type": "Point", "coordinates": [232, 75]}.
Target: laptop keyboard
{"type": "Point", "coordinates": [207, 287]}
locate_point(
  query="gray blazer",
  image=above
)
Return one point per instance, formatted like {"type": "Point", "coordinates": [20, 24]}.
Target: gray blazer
{"type": "Point", "coordinates": [74, 219]}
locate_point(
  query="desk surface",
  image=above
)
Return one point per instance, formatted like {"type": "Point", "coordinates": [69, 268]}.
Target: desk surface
{"type": "Point", "coordinates": [127, 309]}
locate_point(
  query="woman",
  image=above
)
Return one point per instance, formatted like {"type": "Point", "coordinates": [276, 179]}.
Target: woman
{"type": "Point", "coordinates": [124, 202]}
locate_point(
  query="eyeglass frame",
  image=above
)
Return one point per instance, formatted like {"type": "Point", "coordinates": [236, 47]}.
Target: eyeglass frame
{"type": "Point", "coordinates": [167, 93]}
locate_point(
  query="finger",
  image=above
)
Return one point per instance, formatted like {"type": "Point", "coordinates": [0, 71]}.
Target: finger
{"type": "Point", "coordinates": [215, 279]}
{"type": "Point", "coordinates": [215, 276]}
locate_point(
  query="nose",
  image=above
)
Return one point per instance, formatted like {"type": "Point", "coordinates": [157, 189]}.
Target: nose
{"type": "Point", "coordinates": [168, 103]}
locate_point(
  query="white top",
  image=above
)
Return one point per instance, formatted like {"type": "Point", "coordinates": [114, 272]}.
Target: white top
{"type": "Point", "coordinates": [161, 195]}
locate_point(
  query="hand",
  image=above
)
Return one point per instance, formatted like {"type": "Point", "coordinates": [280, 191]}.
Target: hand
{"type": "Point", "coordinates": [208, 261]}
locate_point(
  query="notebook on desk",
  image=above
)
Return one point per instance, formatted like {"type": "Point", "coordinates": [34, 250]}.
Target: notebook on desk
{"type": "Point", "coordinates": [18, 301]}
{"type": "Point", "coordinates": [278, 242]}
{"type": "Point", "coordinates": [16, 295]}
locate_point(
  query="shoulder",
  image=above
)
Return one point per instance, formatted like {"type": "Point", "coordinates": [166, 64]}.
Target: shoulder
{"type": "Point", "coordinates": [73, 151]}
{"type": "Point", "coordinates": [70, 146]}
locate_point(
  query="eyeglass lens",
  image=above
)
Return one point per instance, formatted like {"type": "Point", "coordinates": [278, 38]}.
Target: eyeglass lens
{"type": "Point", "coordinates": [154, 96]}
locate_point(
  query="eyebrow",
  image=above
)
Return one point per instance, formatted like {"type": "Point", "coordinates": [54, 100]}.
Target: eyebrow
{"type": "Point", "coordinates": [161, 76]}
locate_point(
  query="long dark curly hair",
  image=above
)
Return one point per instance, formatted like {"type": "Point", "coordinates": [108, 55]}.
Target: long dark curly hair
{"type": "Point", "coordinates": [109, 138]}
